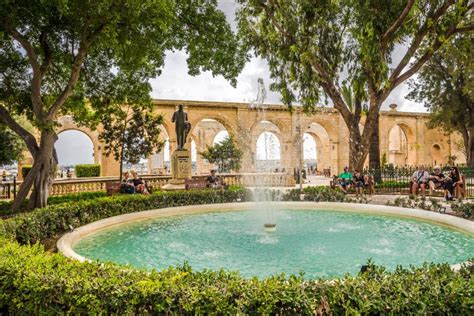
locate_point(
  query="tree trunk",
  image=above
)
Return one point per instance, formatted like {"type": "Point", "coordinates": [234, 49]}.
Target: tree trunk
{"type": "Point", "coordinates": [470, 148]}
{"type": "Point", "coordinates": [357, 153]}
{"type": "Point", "coordinates": [41, 174]}
{"type": "Point", "coordinates": [374, 148]}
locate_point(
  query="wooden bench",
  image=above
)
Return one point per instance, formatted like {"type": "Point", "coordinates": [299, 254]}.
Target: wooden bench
{"type": "Point", "coordinates": [190, 184]}
{"type": "Point", "coordinates": [370, 184]}
{"type": "Point", "coordinates": [459, 191]}
{"type": "Point", "coordinates": [112, 187]}
{"type": "Point", "coordinates": [327, 172]}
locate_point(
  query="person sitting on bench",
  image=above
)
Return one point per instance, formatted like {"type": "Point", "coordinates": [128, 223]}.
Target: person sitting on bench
{"type": "Point", "coordinates": [127, 186]}
{"type": "Point", "coordinates": [458, 184]}
{"type": "Point", "coordinates": [345, 180]}
{"type": "Point", "coordinates": [419, 181]}
{"type": "Point", "coordinates": [140, 185]}
{"type": "Point", "coordinates": [438, 180]}
{"type": "Point", "coordinates": [360, 183]}
{"type": "Point", "coordinates": [213, 181]}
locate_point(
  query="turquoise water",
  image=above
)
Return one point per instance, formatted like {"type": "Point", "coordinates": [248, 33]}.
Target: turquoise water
{"type": "Point", "coordinates": [320, 243]}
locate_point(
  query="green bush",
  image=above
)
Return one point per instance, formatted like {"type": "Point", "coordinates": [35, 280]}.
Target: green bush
{"type": "Point", "coordinates": [24, 170]}
{"type": "Point", "coordinates": [393, 184]}
{"type": "Point", "coordinates": [51, 221]}
{"type": "Point", "coordinates": [316, 194]}
{"type": "Point", "coordinates": [465, 210]}
{"type": "Point", "coordinates": [34, 282]}
{"type": "Point", "coordinates": [5, 206]}
{"type": "Point", "coordinates": [87, 170]}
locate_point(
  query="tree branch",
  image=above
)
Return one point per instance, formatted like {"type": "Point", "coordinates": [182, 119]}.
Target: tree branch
{"type": "Point", "coordinates": [27, 137]}
{"type": "Point", "coordinates": [396, 25]}
{"type": "Point", "coordinates": [419, 38]}
{"type": "Point", "coordinates": [47, 53]}
{"type": "Point", "coordinates": [33, 58]}
{"type": "Point", "coordinates": [75, 72]}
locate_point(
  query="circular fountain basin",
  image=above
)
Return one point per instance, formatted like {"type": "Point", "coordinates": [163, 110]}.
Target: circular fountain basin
{"type": "Point", "coordinates": [323, 240]}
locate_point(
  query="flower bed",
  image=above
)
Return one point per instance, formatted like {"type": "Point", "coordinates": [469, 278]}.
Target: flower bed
{"type": "Point", "coordinates": [33, 281]}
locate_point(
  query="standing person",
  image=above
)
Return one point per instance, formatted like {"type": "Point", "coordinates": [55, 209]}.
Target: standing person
{"type": "Point", "coordinates": [345, 180]}
{"type": "Point", "coordinates": [419, 180]}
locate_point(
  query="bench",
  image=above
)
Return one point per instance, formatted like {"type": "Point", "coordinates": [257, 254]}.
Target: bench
{"type": "Point", "coordinates": [459, 191]}
{"type": "Point", "coordinates": [190, 184]}
{"type": "Point", "coordinates": [112, 187]}
{"type": "Point", "coordinates": [370, 184]}
{"type": "Point", "coordinates": [327, 172]}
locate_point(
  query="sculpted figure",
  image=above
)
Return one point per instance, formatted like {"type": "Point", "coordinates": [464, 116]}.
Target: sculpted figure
{"type": "Point", "coordinates": [182, 126]}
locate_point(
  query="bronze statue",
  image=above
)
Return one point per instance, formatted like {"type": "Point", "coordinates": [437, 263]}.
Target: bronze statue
{"type": "Point", "coordinates": [182, 126]}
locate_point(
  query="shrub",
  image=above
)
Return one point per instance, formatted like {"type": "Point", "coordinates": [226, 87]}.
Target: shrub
{"type": "Point", "coordinates": [5, 206]}
{"type": "Point", "coordinates": [392, 184]}
{"type": "Point", "coordinates": [24, 170]}
{"type": "Point", "coordinates": [317, 194]}
{"type": "Point", "coordinates": [34, 282]}
{"type": "Point", "coordinates": [45, 223]}
{"type": "Point", "coordinates": [465, 210]}
{"type": "Point", "coordinates": [87, 170]}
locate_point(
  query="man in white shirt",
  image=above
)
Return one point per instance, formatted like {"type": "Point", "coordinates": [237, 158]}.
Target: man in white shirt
{"type": "Point", "coordinates": [420, 180]}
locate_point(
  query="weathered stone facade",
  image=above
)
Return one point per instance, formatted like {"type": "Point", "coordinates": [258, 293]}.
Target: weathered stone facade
{"type": "Point", "coordinates": [412, 143]}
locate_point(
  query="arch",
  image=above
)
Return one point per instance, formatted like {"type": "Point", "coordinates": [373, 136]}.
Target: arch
{"type": "Point", "coordinates": [323, 145]}
{"type": "Point", "coordinates": [401, 145]}
{"type": "Point", "coordinates": [159, 162]}
{"type": "Point", "coordinates": [268, 152]}
{"type": "Point", "coordinates": [203, 133]}
{"type": "Point", "coordinates": [437, 155]}
{"type": "Point", "coordinates": [220, 136]}
{"type": "Point", "coordinates": [231, 129]}
{"type": "Point", "coordinates": [74, 147]}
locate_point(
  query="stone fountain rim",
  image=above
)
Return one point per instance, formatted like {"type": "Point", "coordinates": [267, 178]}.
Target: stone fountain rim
{"type": "Point", "coordinates": [67, 242]}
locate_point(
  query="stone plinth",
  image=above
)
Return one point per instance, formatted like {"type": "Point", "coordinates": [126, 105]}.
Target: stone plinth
{"type": "Point", "coordinates": [180, 170]}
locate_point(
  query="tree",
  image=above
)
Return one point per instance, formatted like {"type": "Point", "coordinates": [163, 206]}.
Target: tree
{"type": "Point", "coordinates": [446, 86]}
{"type": "Point", "coordinates": [77, 56]}
{"type": "Point", "coordinates": [224, 154]}
{"type": "Point", "coordinates": [131, 133]}
{"type": "Point", "coordinates": [313, 47]}
{"type": "Point", "coordinates": [12, 146]}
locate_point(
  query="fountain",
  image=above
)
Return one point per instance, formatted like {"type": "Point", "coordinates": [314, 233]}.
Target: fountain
{"type": "Point", "coordinates": [263, 195]}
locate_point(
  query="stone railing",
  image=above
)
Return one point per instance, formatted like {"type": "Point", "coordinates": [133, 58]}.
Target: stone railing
{"type": "Point", "coordinates": [62, 187]}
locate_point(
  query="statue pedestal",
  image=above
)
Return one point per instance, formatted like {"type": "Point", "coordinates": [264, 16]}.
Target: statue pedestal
{"type": "Point", "coordinates": [180, 170]}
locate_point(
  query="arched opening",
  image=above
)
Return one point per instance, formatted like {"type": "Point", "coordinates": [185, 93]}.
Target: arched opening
{"type": "Point", "coordinates": [401, 146]}
{"type": "Point", "coordinates": [220, 137]}
{"type": "Point", "coordinates": [73, 147]}
{"type": "Point", "coordinates": [268, 152]}
{"type": "Point", "coordinates": [206, 133]}
{"type": "Point", "coordinates": [310, 153]}
{"type": "Point", "coordinates": [159, 163]}
{"type": "Point", "coordinates": [322, 141]}
{"type": "Point", "coordinates": [436, 155]}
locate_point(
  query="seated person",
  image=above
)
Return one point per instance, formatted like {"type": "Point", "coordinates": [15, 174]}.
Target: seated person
{"type": "Point", "coordinates": [438, 180]}
{"type": "Point", "coordinates": [345, 180]}
{"type": "Point", "coordinates": [419, 181]}
{"type": "Point", "coordinates": [213, 181]}
{"type": "Point", "coordinates": [140, 186]}
{"type": "Point", "coordinates": [457, 181]}
{"type": "Point", "coordinates": [127, 186]}
{"type": "Point", "coordinates": [360, 182]}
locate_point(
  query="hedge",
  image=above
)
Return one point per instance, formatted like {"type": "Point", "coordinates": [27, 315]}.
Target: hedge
{"type": "Point", "coordinates": [25, 169]}
{"type": "Point", "coordinates": [5, 206]}
{"type": "Point", "coordinates": [87, 170]}
{"type": "Point", "coordinates": [33, 281]}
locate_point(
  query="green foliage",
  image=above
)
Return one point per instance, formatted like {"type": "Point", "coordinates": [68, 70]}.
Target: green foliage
{"type": "Point", "coordinates": [316, 194]}
{"type": "Point", "coordinates": [87, 170]}
{"type": "Point", "coordinates": [35, 282]}
{"type": "Point", "coordinates": [24, 170]}
{"type": "Point", "coordinates": [90, 58]}
{"type": "Point", "coordinates": [392, 184]}
{"type": "Point", "coordinates": [130, 133]}
{"type": "Point", "coordinates": [446, 86]}
{"type": "Point", "coordinates": [225, 154]}
{"type": "Point", "coordinates": [6, 206]}
{"type": "Point", "coordinates": [44, 223]}
{"type": "Point", "coordinates": [465, 210]}
{"type": "Point", "coordinates": [413, 201]}
{"type": "Point", "coordinates": [12, 147]}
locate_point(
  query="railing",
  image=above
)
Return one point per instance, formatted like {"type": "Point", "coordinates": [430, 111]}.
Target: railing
{"type": "Point", "coordinates": [397, 180]}
{"type": "Point", "coordinates": [61, 187]}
